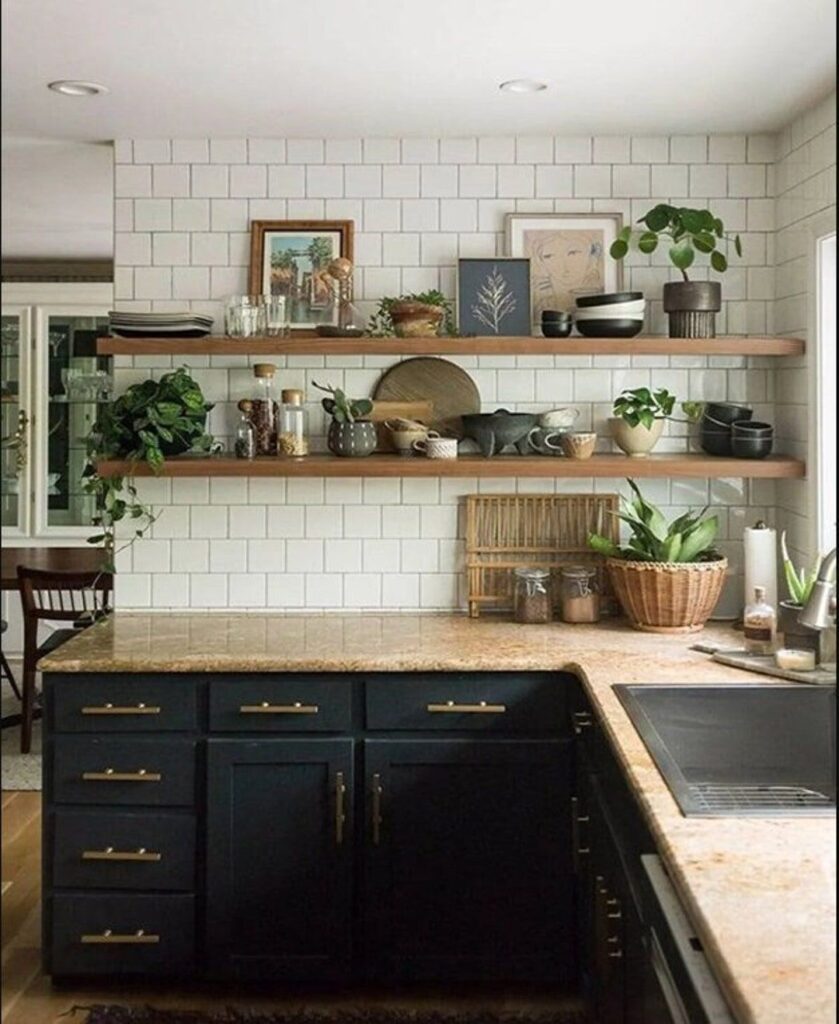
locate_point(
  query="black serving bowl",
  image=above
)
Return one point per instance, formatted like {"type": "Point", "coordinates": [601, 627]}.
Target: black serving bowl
{"type": "Point", "coordinates": [557, 328]}
{"type": "Point", "coordinates": [727, 412]}
{"type": "Point", "coordinates": [751, 447]}
{"type": "Point", "coordinates": [552, 315]}
{"type": "Point", "coordinates": [751, 428]}
{"type": "Point", "coordinates": [715, 442]}
{"type": "Point", "coordinates": [617, 328]}
{"type": "Point", "coordinates": [608, 299]}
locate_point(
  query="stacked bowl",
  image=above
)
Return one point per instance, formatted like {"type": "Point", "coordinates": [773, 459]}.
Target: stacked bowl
{"type": "Point", "coordinates": [610, 315]}
{"type": "Point", "coordinates": [728, 429]}
{"type": "Point", "coordinates": [556, 323]}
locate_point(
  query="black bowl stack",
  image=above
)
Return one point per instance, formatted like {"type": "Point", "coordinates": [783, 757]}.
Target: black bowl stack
{"type": "Point", "coordinates": [611, 315]}
{"type": "Point", "coordinates": [728, 429]}
{"type": "Point", "coordinates": [556, 323]}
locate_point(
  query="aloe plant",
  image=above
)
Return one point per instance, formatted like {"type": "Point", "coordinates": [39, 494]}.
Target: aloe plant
{"type": "Point", "coordinates": [341, 408]}
{"type": "Point", "coordinates": [799, 581]}
{"type": "Point", "coordinates": [689, 538]}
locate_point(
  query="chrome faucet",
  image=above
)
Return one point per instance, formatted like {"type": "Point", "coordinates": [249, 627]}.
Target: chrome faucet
{"type": "Point", "coordinates": [820, 611]}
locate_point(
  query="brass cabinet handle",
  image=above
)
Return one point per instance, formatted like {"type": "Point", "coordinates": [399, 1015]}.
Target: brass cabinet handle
{"type": "Point", "coordinates": [109, 853]}
{"type": "Point", "coordinates": [340, 816]}
{"type": "Point", "coordinates": [118, 709]}
{"type": "Point", "coordinates": [278, 709]}
{"type": "Point", "coordinates": [581, 720]}
{"type": "Point", "coordinates": [111, 775]}
{"type": "Point", "coordinates": [138, 938]}
{"type": "Point", "coordinates": [481, 708]}
{"type": "Point", "coordinates": [377, 808]}
{"type": "Point", "coordinates": [577, 819]}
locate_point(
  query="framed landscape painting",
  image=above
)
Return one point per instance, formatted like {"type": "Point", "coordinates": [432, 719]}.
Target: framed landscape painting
{"type": "Point", "coordinates": [493, 296]}
{"type": "Point", "coordinates": [569, 256]}
{"type": "Point", "coordinates": [290, 257]}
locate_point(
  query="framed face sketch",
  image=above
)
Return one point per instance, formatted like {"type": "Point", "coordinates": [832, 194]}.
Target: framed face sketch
{"type": "Point", "coordinates": [493, 296]}
{"type": "Point", "coordinates": [569, 256]}
{"type": "Point", "coordinates": [290, 257]}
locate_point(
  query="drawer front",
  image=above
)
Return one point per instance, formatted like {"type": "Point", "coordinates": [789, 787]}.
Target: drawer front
{"type": "Point", "coordinates": [124, 770]}
{"type": "Point", "coordinates": [479, 702]}
{"type": "Point", "coordinates": [123, 850]}
{"type": "Point", "coordinates": [80, 944]}
{"type": "Point", "coordinates": [294, 703]}
{"type": "Point", "coordinates": [103, 703]}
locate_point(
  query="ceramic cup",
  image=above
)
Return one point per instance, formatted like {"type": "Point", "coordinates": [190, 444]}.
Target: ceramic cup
{"type": "Point", "coordinates": [578, 446]}
{"type": "Point", "coordinates": [403, 438]}
{"type": "Point", "coordinates": [559, 419]}
{"type": "Point", "coordinates": [436, 447]}
{"type": "Point", "coordinates": [545, 440]}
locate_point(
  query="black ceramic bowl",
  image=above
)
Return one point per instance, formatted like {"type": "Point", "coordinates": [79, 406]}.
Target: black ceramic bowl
{"type": "Point", "coordinates": [751, 428]}
{"type": "Point", "coordinates": [557, 328]}
{"type": "Point", "coordinates": [727, 412]}
{"type": "Point", "coordinates": [608, 299]}
{"type": "Point", "coordinates": [751, 447]}
{"type": "Point", "coordinates": [617, 328]}
{"type": "Point", "coordinates": [554, 315]}
{"type": "Point", "coordinates": [715, 442]}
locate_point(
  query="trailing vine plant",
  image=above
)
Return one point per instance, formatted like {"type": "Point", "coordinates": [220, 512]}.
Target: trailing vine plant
{"type": "Point", "coordinates": [380, 324]}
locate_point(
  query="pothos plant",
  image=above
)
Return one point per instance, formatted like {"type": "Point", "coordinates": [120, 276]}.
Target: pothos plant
{"type": "Point", "coordinates": [380, 324]}
{"type": "Point", "coordinates": [151, 420]}
{"type": "Point", "coordinates": [638, 406]}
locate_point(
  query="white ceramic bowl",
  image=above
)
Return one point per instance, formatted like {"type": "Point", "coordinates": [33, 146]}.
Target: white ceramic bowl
{"type": "Point", "coordinates": [634, 306]}
{"type": "Point", "coordinates": [619, 311]}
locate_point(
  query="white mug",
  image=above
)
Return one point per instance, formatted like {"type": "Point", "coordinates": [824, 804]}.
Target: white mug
{"type": "Point", "coordinates": [562, 418]}
{"type": "Point", "coordinates": [436, 447]}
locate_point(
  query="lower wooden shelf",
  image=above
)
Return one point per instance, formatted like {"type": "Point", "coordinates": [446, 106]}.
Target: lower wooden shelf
{"type": "Point", "coordinates": [600, 465]}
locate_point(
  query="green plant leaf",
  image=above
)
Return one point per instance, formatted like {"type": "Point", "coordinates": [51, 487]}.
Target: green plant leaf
{"type": "Point", "coordinates": [692, 220]}
{"type": "Point", "coordinates": [699, 539]}
{"type": "Point", "coordinates": [682, 255]}
{"type": "Point", "coordinates": [719, 227]}
{"type": "Point", "coordinates": [618, 249]}
{"type": "Point", "coordinates": [658, 217]}
{"type": "Point", "coordinates": [693, 410]}
{"type": "Point", "coordinates": [718, 261]}
{"type": "Point", "coordinates": [738, 245]}
{"type": "Point", "coordinates": [603, 545]}
{"type": "Point", "coordinates": [704, 242]}
{"type": "Point", "coordinates": [648, 242]}
{"type": "Point", "coordinates": [671, 548]}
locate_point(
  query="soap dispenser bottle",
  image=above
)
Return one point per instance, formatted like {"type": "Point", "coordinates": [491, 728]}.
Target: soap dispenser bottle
{"type": "Point", "coordinates": [760, 624]}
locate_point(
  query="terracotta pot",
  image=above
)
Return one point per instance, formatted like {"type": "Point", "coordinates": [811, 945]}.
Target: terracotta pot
{"type": "Point", "coordinates": [638, 441]}
{"type": "Point", "coordinates": [800, 637]}
{"type": "Point", "coordinates": [415, 319]}
{"type": "Point", "coordinates": [667, 597]}
{"type": "Point", "coordinates": [352, 439]}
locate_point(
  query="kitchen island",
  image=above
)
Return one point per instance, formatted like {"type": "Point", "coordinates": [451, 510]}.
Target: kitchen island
{"type": "Point", "coordinates": [761, 893]}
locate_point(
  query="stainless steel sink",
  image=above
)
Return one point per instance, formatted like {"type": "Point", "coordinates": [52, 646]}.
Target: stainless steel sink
{"type": "Point", "coordinates": [753, 750]}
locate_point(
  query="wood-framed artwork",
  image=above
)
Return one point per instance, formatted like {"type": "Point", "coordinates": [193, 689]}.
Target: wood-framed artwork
{"type": "Point", "coordinates": [569, 256]}
{"type": "Point", "coordinates": [493, 296]}
{"type": "Point", "coordinates": [290, 257]}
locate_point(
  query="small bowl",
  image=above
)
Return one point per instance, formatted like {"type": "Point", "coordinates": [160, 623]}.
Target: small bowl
{"type": "Point", "coordinates": [751, 428]}
{"type": "Point", "coordinates": [578, 446]}
{"type": "Point", "coordinates": [608, 299]}
{"type": "Point", "coordinates": [554, 314]}
{"type": "Point", "coordinates": [751, 447]}
{"type": "Point", "coordinates": [621, 328]}
{"type": "Point", "coordinates": [557, 328]}
{"type": "Point", "coordinates": [727, 412]}
{"type": "Point", "coordinates": [715, 442]}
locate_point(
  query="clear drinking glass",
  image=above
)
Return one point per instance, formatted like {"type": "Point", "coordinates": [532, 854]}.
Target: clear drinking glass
{"type": "Point", "coordinates": [245, 316]}
{"type": "Point", "coordinates": [276, 316]}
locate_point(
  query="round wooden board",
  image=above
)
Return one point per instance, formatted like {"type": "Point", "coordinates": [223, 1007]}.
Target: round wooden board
{"type": "Point", "coordinates": [451, 389]}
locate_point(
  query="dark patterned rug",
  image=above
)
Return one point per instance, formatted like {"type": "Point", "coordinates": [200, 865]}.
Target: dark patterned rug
{"type": "Point", "coordinates": [150, 1015]}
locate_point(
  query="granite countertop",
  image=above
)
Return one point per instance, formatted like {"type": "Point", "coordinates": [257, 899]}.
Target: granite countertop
{"type": "Point", "coordinates": [761, 893]}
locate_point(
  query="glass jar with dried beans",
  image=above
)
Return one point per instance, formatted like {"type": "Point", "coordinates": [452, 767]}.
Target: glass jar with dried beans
{"type": "Point", "coordinates": [293, 437]}
{"type": "Point", "coordinates": [265, 410]}
{"type": "Point", "coordinates": [531, 595]}
{"type": "Point", "coordinates": [579, 600]}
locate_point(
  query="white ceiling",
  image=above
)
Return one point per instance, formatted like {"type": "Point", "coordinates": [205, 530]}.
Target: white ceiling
{"type": "Point", "coordinates": [340, 68]}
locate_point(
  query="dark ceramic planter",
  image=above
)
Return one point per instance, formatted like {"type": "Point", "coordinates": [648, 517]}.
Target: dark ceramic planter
{"type": "Point", "coordinates": [692, 307]}
{"type": "Point", "coordinates": [800, 637]}
{"type": "Point", "coordinates": [352, 440]}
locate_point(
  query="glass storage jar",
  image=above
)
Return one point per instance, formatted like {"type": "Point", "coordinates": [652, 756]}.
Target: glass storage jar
{"type": "Point", "coordinates": [293, 436]}
{"type": "Point", "coordinates": [579, 599]}
{"type": "Point", "coordinates": [265, 409]}
{"type": "Point", "coordinates": [245, 446]}
{"type": "Point", "coordinates": [245, 316]}
{"type": "Point", "coordinates": [531, 595]}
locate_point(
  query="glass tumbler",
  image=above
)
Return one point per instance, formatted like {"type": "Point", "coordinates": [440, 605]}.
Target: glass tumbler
{"type": "Point", "coordinates": [276, 316]}
{"type": "Point", "coordinates": [245, 316]}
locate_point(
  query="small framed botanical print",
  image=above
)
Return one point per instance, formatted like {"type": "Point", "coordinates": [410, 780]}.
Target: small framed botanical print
{"type": "Point", "coordinates": [290, 257]}
{"type": "Point", "coordinates": [493, 296]}
{"type": "Point", "coordinates": [569, 256]}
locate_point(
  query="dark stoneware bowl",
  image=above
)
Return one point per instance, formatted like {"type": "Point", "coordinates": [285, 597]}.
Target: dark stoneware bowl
{"type": "Point", "coordinates": [727, 412]}
{"type": "Point", "coordinates": [751, 447]}
{"type": "Point", "coordinates": [557, 328]}
{"type": "Point", "coordinates": [494, 431]}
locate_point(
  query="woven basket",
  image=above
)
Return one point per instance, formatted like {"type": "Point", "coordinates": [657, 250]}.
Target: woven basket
{"type": "Point", "coordinates": [667, 597]}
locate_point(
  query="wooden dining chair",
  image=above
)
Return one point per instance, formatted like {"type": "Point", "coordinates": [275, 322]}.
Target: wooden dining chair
{"type": "Point", "coordinates": [77, 597]}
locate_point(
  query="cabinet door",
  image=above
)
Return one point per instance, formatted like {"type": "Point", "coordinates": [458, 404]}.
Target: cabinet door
{"type": "Point", "coordinates": [468, 871]}
{"type": "Point", "coordinates": [16, 417]}
{"type": "Point", "coordinates": [279, 857]}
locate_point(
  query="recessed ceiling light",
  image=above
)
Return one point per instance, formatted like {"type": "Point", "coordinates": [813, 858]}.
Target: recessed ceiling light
{"type": "Point", "coordinates": [522, 85]}
{"type": "Point", "coordinates": [73, 88]}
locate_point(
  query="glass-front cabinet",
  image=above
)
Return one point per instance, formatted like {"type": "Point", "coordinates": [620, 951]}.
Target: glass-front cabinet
{"type": "Point", "coordinates": [53, 385]}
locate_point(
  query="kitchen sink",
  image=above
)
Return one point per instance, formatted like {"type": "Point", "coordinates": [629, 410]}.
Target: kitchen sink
{"type": "Point", "coordinates": [755, 750]}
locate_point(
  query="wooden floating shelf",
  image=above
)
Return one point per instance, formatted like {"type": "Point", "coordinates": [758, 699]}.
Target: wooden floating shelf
{"type": "Point", "coordinates": [485, 346]}
{"type": "Point", "coordinates": [599, 465]}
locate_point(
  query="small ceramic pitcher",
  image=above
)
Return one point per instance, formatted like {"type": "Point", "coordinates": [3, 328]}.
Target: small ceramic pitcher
{"type": "Point", "coordinates": [436, 447]}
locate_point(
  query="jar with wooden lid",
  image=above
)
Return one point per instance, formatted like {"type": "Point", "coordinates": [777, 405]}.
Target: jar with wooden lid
{"type": "Point", "coordinates": [532, 595]}
{"type": "Point", "coordinates": [293, 435]}
{"type": "Point", "coordinates": [579, 599]}
{"type": "Point", "coordinates": [245, 445]}
{"type": "Point", "coordinates": [265, 409]}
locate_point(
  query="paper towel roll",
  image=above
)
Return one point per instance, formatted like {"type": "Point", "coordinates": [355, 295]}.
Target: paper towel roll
{"type": "Point", "coordinates": [760, 558]}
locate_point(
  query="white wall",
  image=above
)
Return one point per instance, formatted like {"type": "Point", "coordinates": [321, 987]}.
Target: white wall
{"type": "Point", "coordinates": [182, 216]}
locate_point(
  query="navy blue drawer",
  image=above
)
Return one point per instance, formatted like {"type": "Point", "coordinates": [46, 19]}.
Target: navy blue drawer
{"type": "Point", "coordinates": [123, 850]}
{"type": "Point", "coordinates": [124, 703]}
{"type": "Point", "coordinates": [123, 770]}
{"type": "Point", "coordinates": [293, 703]}
{"type": "Point", "coordinates": [111, 934]}
{"type": "Point", "coordinates": [475, 702]}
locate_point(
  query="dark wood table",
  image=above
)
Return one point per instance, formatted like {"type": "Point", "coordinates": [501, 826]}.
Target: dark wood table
{"type": "Point", "coordinates": [53, 559]}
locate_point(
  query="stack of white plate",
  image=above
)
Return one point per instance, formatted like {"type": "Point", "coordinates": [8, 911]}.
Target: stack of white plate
{"type": "Point", "coordinates": [617, 314]}
{"type": "Point", "coordinates": [159, 325]}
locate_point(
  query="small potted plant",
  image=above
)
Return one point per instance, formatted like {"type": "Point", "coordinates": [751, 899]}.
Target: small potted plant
{"type": "Point", "coordinates": [639, 416]}
{"type": "Point", "coordinates": [414, 315]}
{"type": "Point", "coordinates": [668, 578]}
{"type": "Point", "coordinates": [691, 305]}
{"type": "Point", "coordinates": [799, 585]}
{"type": "Point", "coordinates": [350, 434]}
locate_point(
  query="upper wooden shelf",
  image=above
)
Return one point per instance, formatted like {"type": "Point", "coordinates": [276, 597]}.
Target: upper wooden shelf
{"type": "Point", "coordinates": [314, 346]}
{"type": "Point", "coordinates": [599, 465]}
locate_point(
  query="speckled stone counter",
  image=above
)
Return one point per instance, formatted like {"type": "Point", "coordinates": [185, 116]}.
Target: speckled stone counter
{"type": "Point", "coordinates": [762, 893]}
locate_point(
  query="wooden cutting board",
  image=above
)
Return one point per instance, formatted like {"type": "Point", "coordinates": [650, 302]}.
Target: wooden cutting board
{"type": "Point", "coordinates": [420, 410]}
{"type": "Point", "coordinates": [450, 389]}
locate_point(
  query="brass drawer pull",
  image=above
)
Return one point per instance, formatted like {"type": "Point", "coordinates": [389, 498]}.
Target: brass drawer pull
{"type": "Point", "coordinates": [377, 808]}
{"type": "Point", "coordinates": [278, 709]}
{"type": "Point", "coordinates": [119, 709]}
{"type": "Point", "coordinates": [481, 708]}
{"type": "Point", "coordinates": [110, 775]}
{"type": "Point", "coordinates": [109, 853]}
{"type": "Point", "coordinates": [582, 720]}
{"type": "Point", "coordinates": [340, 816]}
{"type": "Point", "coordinates": [106, 938]}
{"type": "Point", "coordinates": [577, 819]}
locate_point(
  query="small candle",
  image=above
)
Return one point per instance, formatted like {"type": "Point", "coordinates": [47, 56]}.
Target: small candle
{"type": "Point", "coordinates": [798, 661]}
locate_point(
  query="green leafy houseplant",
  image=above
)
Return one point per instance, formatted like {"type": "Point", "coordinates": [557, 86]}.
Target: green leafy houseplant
{"type": "Point", "coordinates": [641, 406]}
{"type": "Point", "coordinates": [341, 408]}
{"type": "Point", "coordinates": [150, 421]}
{"type": "Point", "coordinates": [687, 231]}
{"type": "Point", "coordinates": [381, 324]}
{"type": "Point", "coordinates": [799, 581]}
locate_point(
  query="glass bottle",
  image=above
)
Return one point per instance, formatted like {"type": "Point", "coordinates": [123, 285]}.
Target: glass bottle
{"type": "Point", "coordinates": [579, 600]}
{"type": "Point", "coordinates": [265, 409]}
{"type": "Point", "coordinates": [245, 446]}
{"type": "Point", "coordinates": [531, 595]}
{"type": "Point", "coordinates": [759, 624]}
{"type": "Point", "coordinates": [293, 436]}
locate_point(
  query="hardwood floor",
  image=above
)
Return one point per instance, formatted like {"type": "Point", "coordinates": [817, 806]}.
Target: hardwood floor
{"type": "Point", "coordinates": [28, 996]}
